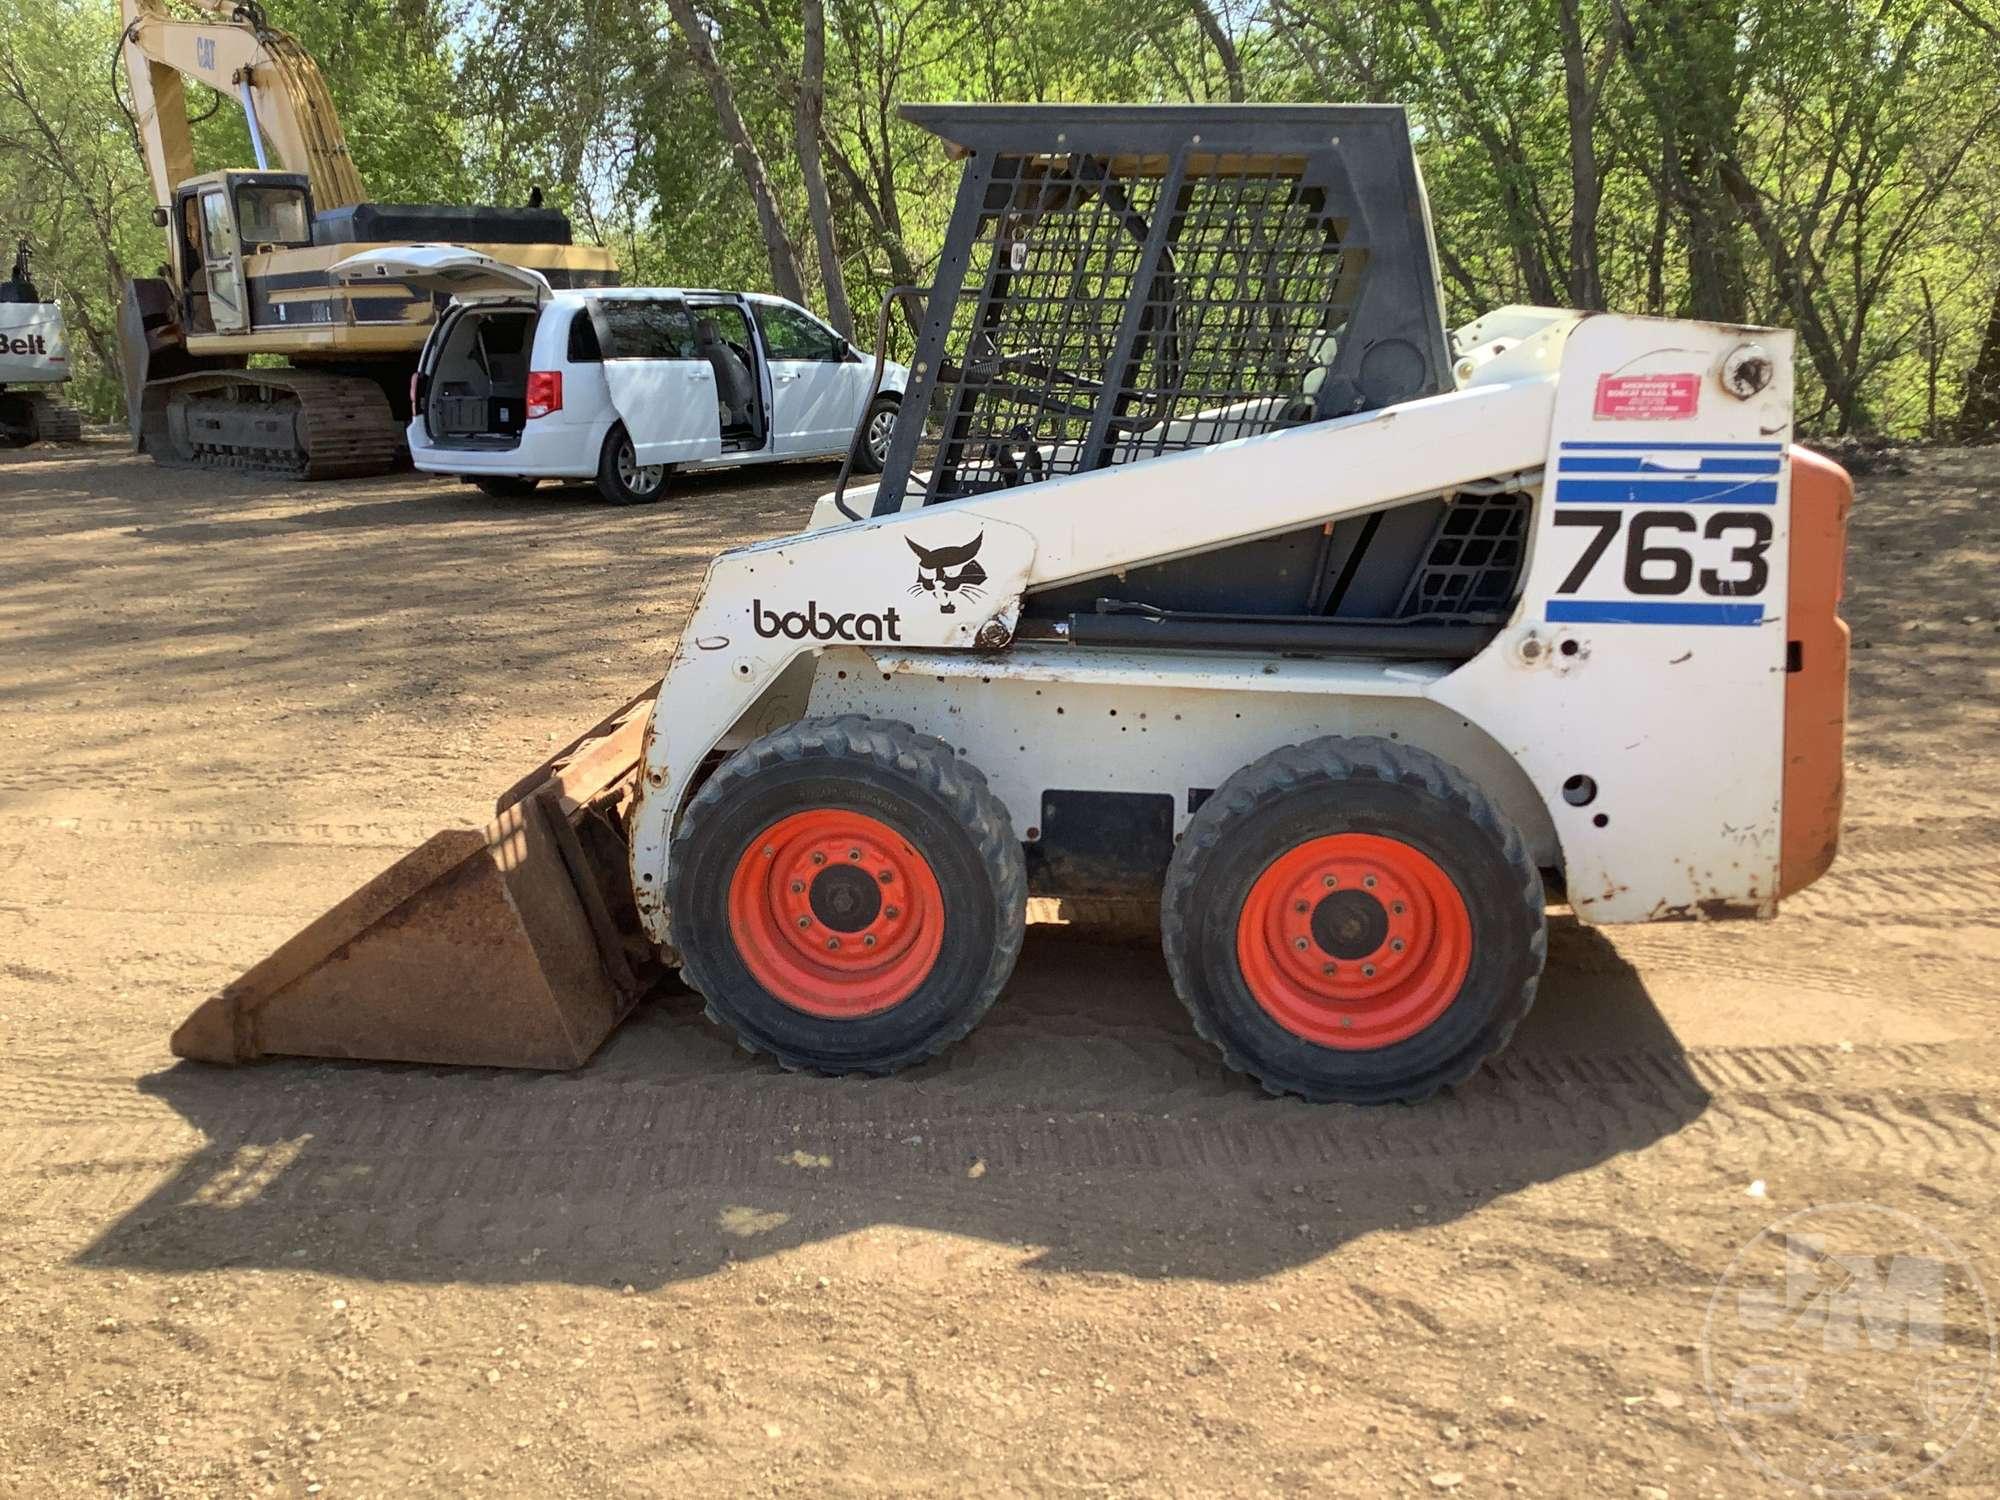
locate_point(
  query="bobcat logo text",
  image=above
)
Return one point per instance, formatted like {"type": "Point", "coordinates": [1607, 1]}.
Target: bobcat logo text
{"type": "Point", "coordinates": [814, 623]}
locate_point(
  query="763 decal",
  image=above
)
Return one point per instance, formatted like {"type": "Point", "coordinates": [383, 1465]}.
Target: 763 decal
{"type": "Point", "coordinates": [1655, 564]}
{"type": "Point", "coordinates": [1671, 533]}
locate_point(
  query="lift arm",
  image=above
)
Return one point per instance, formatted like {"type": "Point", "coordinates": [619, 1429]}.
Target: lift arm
{"type": "Point", "coordinates": [275, 80]}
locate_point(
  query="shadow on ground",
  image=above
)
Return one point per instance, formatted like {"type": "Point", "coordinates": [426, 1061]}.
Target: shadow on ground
{"type": "Point", "coordinates": [1083, 1121]}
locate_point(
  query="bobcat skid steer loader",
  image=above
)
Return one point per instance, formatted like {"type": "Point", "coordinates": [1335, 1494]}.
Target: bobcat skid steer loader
{"type": "Point", "coordinates": [1235, 583]}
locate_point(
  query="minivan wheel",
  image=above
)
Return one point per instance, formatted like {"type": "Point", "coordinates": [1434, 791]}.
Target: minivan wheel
{"type": "Point", "coordinates": [621, 478]}
{"type": "Point", "coordinates": [505, 487]}
{"type": "Point", "coordinates": [871, 449]}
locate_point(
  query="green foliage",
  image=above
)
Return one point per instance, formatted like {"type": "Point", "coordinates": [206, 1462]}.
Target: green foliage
{"type": "Point", "coordinates": [70, 179]}
{"type": "Point", "coordinates": [1827, 165]}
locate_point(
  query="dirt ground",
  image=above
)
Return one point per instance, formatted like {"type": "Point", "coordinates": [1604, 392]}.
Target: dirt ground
{"type": "Point", "coordinates": [1073, 1257]}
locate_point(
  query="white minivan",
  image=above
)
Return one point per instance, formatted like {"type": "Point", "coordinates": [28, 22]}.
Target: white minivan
{"type": "Point", "coordinates": [519, 382]}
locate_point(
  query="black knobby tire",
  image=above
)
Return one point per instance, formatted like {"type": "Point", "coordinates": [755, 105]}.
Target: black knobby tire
{"type": "Point", "coordinates": [505, 486]}
{"type": "Point", "coordinates": [869, 457]}
{"type": "Point", "coordinates": [1394, 795]}
{"type": "Point", "coordinates": [619, 479]}
{"type": "Point", "coordinates": [887, 773]}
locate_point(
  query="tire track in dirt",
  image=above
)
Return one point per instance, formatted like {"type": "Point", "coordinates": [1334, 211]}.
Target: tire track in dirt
{"type": "Point", "coordinates": [337, 835]}
{"type": "Point", "coordinates": [440, 1163]}
{"type": "Point", "coordinates": [1945, 982]}
{"type": "Point", "coordinates": [1950, 886]}
{"type": "Point", "coordinates": [615, 1090]}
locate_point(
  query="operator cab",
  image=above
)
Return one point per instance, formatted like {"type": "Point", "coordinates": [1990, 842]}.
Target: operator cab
{"type": "Point", "coordinates": [19, 285]}
{"type": "Point", "coordinates": [219, 218]}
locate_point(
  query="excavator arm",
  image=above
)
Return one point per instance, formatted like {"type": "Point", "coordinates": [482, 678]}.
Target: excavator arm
{"type": "Point", "coordinates": [239, 52]}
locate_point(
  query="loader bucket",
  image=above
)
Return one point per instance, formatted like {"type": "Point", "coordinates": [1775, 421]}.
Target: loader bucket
{"type": "Point", "coordinates": [515, 946]}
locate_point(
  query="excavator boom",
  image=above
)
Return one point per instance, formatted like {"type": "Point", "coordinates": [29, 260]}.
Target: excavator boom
{"type": "Point", "coordinates": [279, 86]}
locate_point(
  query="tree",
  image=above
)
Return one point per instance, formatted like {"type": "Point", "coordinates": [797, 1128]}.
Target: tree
{"type": "Point", "coordinates": [785, 278]}
{"type": "Point", "coordinates": [810, 112]}
{"type": "Point", "coordinates": [1979, 414]}
{"type": "Point", "coordinates": [1825, 165]}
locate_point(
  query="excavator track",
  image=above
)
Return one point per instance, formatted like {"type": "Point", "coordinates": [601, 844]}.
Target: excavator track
{"type": "Point", "coordinates": [299, 423]}
{"type": "Point", "coordinates": [26, 418]}
{"type": "Point", "coordinates": [57, 422]}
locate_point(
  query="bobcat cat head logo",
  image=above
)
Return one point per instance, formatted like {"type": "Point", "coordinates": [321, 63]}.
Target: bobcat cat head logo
{"type": "Point", "coordinates": [949, 571]}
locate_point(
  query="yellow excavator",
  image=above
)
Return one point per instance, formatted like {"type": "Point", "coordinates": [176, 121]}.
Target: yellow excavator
{"type": "Point", "coordinates": [248, 254]}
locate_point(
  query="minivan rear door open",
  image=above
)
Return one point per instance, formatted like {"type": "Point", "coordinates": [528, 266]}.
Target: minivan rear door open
{"type": "Point", "coordinates": [663, 391]}
{"type": "Point", "coordinates": [449, 269]}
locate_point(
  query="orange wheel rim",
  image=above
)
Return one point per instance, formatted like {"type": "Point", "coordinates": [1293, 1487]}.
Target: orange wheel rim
{"type": "Point", "coordinates": [836, 914]}
{"type": "Point", "coordinates": [1354, 941]}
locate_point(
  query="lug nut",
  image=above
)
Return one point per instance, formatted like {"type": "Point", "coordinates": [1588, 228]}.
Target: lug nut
{"type": "Point", "coordinates": [1300, 944]}
{"type": "Point", "coordinates": [1332, 881]}
{"type": "Point", "coordinates": [868, 941]}
{"type": "Point", "coordinates": [818, 858]}
{"type": "Point", "coordinates": [887, 877]}
{"type": "Point", "coordinates": [854, 854]}
{"type": "Point", "coordinates": [1300, 906]}
{"type": "Point", "coordinates": [1328, 969]}
{"type": "Point", "coordinates": [805, 922]}
{"type": "Point", "coordinates": [1369, 881]}
{"type": "Point", "coordinates": [1368, 971]}
{"type": "Point", "coordinates": [892, 912]}
{"type": "Point", "coordinates": [831, 944]}
{"type": "Point", "coordinates": [798, 886]}
{"type": "Point", "coordinates": [1396, 945]}
{"type": "Point", "coordinates": [1396, 907]}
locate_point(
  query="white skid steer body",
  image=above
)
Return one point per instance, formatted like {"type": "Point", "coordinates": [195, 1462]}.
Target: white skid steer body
{"type": "Point", "coordinates": [874, 740]}
{"type": "Point", "coordinates": [1647, 651]}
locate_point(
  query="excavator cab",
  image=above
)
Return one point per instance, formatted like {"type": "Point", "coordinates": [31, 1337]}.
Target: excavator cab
{"type": "Point", "coordinates": [216, 220]}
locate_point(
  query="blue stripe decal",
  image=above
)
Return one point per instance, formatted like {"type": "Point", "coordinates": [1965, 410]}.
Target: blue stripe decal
{"type": "Point", "coordinates": [1650, 612]}
{"type": "Point", "coordinates": [1673, 447]}
{"type": "Point", "coordinates": [1646, 463]}
{"type": "Point", "coordinates": [1640, 491]}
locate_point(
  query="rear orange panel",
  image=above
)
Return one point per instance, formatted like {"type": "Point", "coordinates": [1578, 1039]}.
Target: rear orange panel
{"type": "Point", "coordinates": [1816, 676]}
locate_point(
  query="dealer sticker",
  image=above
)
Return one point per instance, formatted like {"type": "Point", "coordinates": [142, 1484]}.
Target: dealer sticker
{"type": "Point", "coordinates": [1646, 398]}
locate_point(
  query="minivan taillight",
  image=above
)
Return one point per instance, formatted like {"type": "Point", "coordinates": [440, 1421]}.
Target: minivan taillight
{"type": "Point", "coordinates": [544, 392]}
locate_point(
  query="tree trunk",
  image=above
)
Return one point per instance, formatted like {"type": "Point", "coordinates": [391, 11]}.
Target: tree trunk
{"type": "Point", "coordinates": [1524, 226]}
{"type": "Point", "coordinates": [1684, 60]}
{"type": "Point", "coordinates": [785, 277]}
{"type": "Point", "coordinates": [807, 112]}
{"type": "Point", "coordinates": [1821, 347]}
{"type": "Point", "coordinates": [1979, 414]}
{"type": "Point", "coordinates": [1586, 277]}
{"type": "Point", "coordinates": [880, 220]}
{"type": "Point", "coordinates": [1225, 48]}
{"type": "Point", "coordinates": [1656, 261]}
{"type": "Point", "coordinates": [1717, 285]}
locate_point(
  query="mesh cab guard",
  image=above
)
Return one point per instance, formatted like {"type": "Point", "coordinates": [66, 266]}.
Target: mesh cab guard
{"type": "Point", "coordinates": [1124, 281]}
